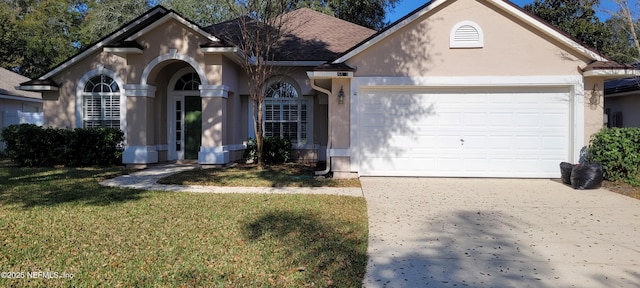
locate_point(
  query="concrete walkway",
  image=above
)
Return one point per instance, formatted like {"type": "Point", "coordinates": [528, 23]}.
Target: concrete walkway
{"type": "Point", "coordinates": [436, 232]}
{"type": "Point", "coordinates": [426, 232]}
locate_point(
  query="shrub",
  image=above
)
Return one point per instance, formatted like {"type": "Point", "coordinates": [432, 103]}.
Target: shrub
{"type": "Point", "coordinates": [618, 150]}
{"type": "Point", "coordinates": [31, 145]}
{"type": "Point", "coordinates": [275, 150]}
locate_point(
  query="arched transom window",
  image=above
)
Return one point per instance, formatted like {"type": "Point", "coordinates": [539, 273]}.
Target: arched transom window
{"type": "Point", "coordinates": [188, 82]}
{"type": "Point", "coordinates": [285, 113]}
{"type": "Point", "coordinates": [101, 102]}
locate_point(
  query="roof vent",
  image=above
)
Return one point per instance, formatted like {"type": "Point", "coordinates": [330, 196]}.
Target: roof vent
{"type": "Point", "coordinates": [466, 34]}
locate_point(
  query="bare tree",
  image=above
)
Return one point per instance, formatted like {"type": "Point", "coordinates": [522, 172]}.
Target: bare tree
{"type": "Point", "coordinates": [626, 14]}
{"type": "Point", "coordinates": [257, 33]}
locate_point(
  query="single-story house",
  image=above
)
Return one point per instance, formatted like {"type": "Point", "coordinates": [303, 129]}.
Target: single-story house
{"type": "Point", "coordinates": [17, 106]}
{"type": "Point", "coordinates": [622, 102]}
{"type": "Point", "coordinates": [461, 88]}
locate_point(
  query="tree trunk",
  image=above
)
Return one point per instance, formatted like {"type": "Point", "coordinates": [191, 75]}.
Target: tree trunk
{"type": "Point", "coordinates": [259, 130]}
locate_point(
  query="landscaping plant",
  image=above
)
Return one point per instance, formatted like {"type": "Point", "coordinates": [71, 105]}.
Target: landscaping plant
{"type": "Point", "coordinates": [618, 150]}
{"type": "Point", "coordinates": [276, 150]}
{"type": "Point", "coordinates": [29, 145]}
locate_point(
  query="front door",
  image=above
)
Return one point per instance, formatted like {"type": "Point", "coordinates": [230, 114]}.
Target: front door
{"type": "Point", "coordinates": [188, 126]}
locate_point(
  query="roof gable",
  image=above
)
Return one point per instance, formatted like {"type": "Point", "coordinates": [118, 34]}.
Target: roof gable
{"type": "Point", "coordinates": [503, 5]}
{"type": "Point", "coordinates": [126, 35]}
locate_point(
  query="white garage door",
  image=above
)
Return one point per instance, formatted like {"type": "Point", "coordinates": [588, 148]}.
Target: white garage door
{"type": "Point", "coordinates": [512, 132]}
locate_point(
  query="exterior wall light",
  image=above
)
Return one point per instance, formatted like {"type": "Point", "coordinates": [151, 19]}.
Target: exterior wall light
{"type": "Point", "coordinates": [341, 96]}
{"type": "Point", "coordinates": [594, 100]}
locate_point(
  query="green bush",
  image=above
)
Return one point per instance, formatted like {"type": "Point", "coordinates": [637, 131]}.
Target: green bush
{"type": "Point", "coordinates": [34, 146]}
{"type": "Point", "coordinates": [618, 149]}
{"type": "Point", "coordinates": [276, 150]}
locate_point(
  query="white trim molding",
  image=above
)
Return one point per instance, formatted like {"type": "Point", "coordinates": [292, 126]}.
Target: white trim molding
{"type": "Point", "coordinates": [613, 73]}
{"type": "Point", "coordinates": [135, 90]}
{"type": "Point", "coordinates": [214, 91]}
{"type": "Point", "coordinates": [122, 50]}
{"type": "Point", "coordinates": [140, 155]}
{"type": "Point", "coordinates": [213, 155]}
{"type": "Point", "coordinates": [219, 49]}
{"type": "Point", "coordinates": [37, 88]}
{"type": "Point", "coordinates": [329, 74]}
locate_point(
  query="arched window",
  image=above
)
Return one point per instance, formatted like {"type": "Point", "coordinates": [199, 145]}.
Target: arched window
{"type": "Point", "coordinates": [101, 102]}
{"type": "Point", "coordinates": [285, 113]}
{"type": "Point", "coordinates": [188, 82]}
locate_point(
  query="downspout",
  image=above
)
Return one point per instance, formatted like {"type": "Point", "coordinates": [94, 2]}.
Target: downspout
{"type": "Point", "coordinates": [329, 142]}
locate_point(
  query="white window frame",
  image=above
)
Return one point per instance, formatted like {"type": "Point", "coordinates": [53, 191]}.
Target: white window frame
{"type": "Point", "coordinates": [106, 105]}
{"type": "Point", "coordinates": [79, 110]}
{"type": "Point", "coordinates": [303, 129]}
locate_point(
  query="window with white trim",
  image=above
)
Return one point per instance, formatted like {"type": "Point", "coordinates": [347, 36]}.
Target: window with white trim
{"type": "Point", "coordinates": [101, 103]}
{"type": "Point", "coordinates": [286, 114]}
{"type": "Point", "coordinates": [466, 34]}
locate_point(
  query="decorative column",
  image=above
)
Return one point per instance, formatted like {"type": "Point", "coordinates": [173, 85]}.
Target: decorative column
{"type": "Point", "coordinates": [139, 129]}
{"type": "Point", "coordinates": [214, 124]}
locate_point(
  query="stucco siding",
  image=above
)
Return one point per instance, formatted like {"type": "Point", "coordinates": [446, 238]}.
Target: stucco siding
{"type": "Point", "coordinates": [60, 108]}
{"type": "Point", "coordinates": [510, 47]}
{"type": "Point", "coordinates": [168, 37]}
{"type": "Point", "coordinates": [593, 108]}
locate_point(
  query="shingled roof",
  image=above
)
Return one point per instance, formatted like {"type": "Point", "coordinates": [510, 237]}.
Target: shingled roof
{"type": "Point", "coordinates": [308, 35]}
{"type": "Point", "coordinates": [8, 82]}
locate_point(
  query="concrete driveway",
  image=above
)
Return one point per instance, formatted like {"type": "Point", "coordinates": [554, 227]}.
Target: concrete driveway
{"type": "Point", "coordinates": [433, 232]}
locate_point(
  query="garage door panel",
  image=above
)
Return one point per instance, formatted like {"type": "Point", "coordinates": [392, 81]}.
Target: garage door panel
{"type": "Point", "coordinates": [492, 133]}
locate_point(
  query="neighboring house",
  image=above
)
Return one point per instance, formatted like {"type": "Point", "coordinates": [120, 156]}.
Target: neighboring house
{"type": "Point", "coordinates": [622, 102]}
{"type": "Point", "coordinates": [441, 92]}
{"type": "Point", "coordinates": [16, 106]}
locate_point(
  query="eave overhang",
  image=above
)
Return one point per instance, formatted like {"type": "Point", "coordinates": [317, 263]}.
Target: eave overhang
{"type": "Point", "coordinates": [609, 70]}
{"type": "Point", "coordinates": [38, 85]}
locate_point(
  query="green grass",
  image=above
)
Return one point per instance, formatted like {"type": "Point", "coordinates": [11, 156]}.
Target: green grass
{"type": "Point", "coordinates": [283, 175]}
{"type": "Point", "coordinates": [61, 220]}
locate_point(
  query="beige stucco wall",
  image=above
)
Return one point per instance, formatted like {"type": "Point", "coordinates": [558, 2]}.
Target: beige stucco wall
{"type": "Point", "coordinates": [169, 36]}
{"type": "Point", "coordinates": [593, 107]}
{"type": "Point", "coordinates": [510, 47]}
{"type": "Point", "coordinates": [340, 114]}
{"type": "Point", "coordinates": [60, 107]}
{"type": "Point", "coordinates": [212, 121]}
{"type": "Point", "coordinates": [139, 109]}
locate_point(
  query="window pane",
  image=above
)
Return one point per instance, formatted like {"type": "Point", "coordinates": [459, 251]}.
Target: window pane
{"type": "Point", "coordinates": [101, 102]}
{"type": "Point", "coordinates": [188, 82]}
{"type": "Point", "coordinates": [285, 113]}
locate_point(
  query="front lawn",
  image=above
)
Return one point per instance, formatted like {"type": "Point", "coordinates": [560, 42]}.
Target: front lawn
{"type": "Point", "coordinates": [247, 175]}
{"type": "Point", "coordinates": [55, 223]}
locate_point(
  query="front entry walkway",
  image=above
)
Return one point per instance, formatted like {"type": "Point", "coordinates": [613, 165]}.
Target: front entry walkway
{"type": "Point", "coordinates": [426, 232]}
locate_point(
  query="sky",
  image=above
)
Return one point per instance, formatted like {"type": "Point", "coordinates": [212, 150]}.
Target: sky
{"type": "Point", "coordinates": [405, 6]}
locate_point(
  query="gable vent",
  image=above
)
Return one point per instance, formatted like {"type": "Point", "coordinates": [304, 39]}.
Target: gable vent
{"type": "Point", "coordinates": [466, 34]}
